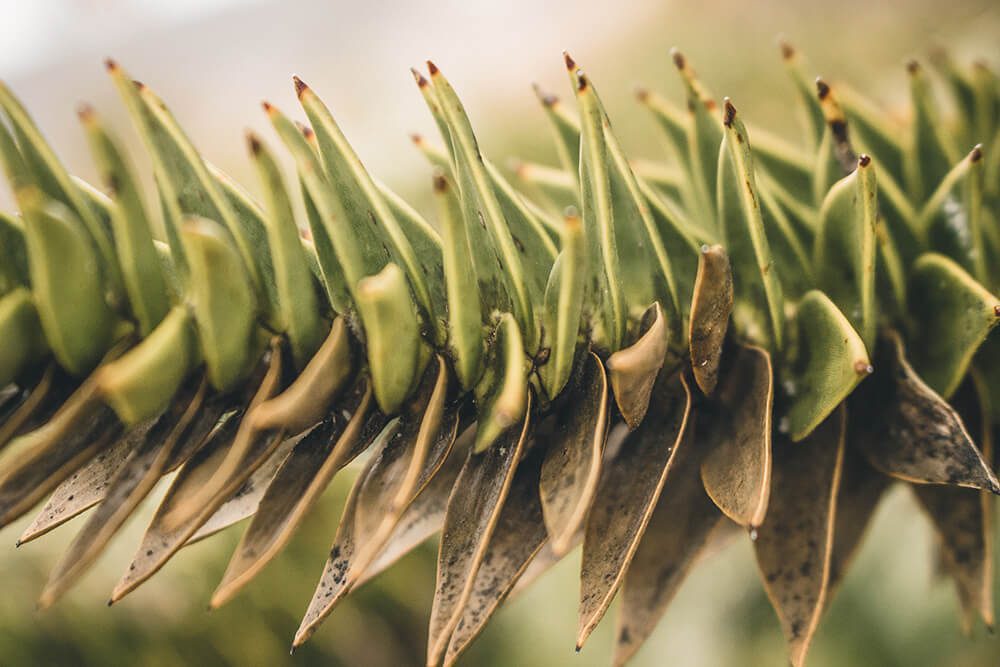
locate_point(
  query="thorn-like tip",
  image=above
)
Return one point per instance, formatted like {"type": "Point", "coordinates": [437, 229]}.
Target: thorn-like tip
{"type": "Point", "coordinates": [417, 139]}
{"type": "Point", "coordinates": [822, 88]}
{"type": "Point", "coordinates": [111, 601]}
{"type": "Point", "coordinates": [641, 93]}
{"type": "Point", "coordinates": [864, 160]}
{"type": "Point", "coordinates": [432, 68]}
{"type": "Point", "coordinates": [787, 50]}
{"type": "Point", "coordinates": [863, 367]}
{"type": "Point", "coordinates": [440, 183]}
{"type": "Point", "coordinates": [570, 63]}
{"type": "Point", "coordinates": [253, 142]}
{"type": "Point", "coordinates": [996, 310]}
{"type": "Point", "coordinates": [300, 86]}
{"type": "Point", "coordinates": [85, 112]}
{"type": "Point", "coordinates": [977, 153]}
{"type": "Point", "coordinates": [110, 65]}
{"type": "Point", "coordinates": [730, 112]}
{"type": "Point", "coordinates": [677, 57]}
{"type": "Point", "coordinates": [912, 66]}
{"type": "Point", "coordinates": [266, 106]}
{"type": "Point", "coordinates": [418, 77]}
{"type": "Point", "coordinates": [17, 544]}
{"type": "Point", "coordinates": [578, 647]}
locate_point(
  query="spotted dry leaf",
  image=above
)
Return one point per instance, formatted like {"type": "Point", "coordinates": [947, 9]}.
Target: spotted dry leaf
{"type": "Point", "coordinates": [574, 452]}
{"type": "Point", "coordinates": [917, 436]}
{"type": "Point", "coordinates": [627, 493]}
{"type": "Point", "coordinates": [736, 430]}
{"type": "Point", "coordinates": [678, 532]}
{"type": "Point", "coordinates": [519, 535]}
{"type": "Point", "coordinates": [795, 542]}
{"type": "Point", "coordinates": [298, 484]}
{"type": "Point", "coordinates": [473, 511]}
{"type": "Point", "coordinates": [711, 306]}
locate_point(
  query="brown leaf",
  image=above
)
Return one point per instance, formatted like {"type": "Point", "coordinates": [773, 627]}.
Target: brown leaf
{"type": "Point", "coordinates": [963, 520]}
{"type": "Point", "coordinates": [28, 408]}
{"type": "Point", "coordinates": [736, 470]}
{"type": "Point", "coordinates": [413, 454]}
{"type": "Point", "coordinates": [861, 489]}
{"type": "Point", "coordinates": [518, 536]}
{"type": "Point", "coordinates": [633, 369]}
{"type": "Point", "coordinates": [251, 447]}
{"type": "Point", "coordinates": [472, 514]}
{"type": "Point", "coordinates": [627, 493]}
{"type": "Point", "coordinates": [917, 436]}
{"type": "Point", "coordinates": [711, 306]}
{"type": "Point", "coordinates": [679, 529]}
{"type": "Point", "coordinates": [135, 478]}
{"type": "Point", "coordinates": [574, 453]}
{"type": "Point", "coordinates": [795, 542]}
{"type": "Point", "coordinates": [298, 484]}
{"type": "Point", "coordinates": [422, 518]}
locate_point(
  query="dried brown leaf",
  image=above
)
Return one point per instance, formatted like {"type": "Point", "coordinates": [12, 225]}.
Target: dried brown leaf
{"type": "Point", "coordinates": [711, 306]}
{"type": "Point", "coordinates": [633, 369]}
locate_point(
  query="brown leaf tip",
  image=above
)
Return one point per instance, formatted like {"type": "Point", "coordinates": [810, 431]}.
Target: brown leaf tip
{"type": "Point", "coordinates": [300, 86]}
{"type": "Point", "coordinates": [440, 183]}
{"type": "Point", "coordinates": [254, 143]}
{"type": "Point", "coordinates": [862, 367]}
{"type": "Point", "coordinates": [977, 153]}
{"type": "Point", "coordinates": [138, 84]}
{"type": "Point", "coordinates": [547, 99]}
{"type": "Point", "coordinates": [678, 58]}
{"type": "Point", "coordinates": [110, 65]}
{"type": "Point", "coordinates": [864, 160]}
{"type": "Point", "coordinates": [581, 81]}
{"type": "Point", "coordinates": [822, 88]}
{"type": "Point", "coordinates": [417, 139]}
{"type": "Point", "coordinates": [85, 112]}
{"type": "Point", "coordinates": [267, 107]}
{"type": "Point", "coordinates": [787, 50]}
{"type": "Point", "coordinates": [418, 77]}
{"type": "Point", "coordinates": [642, 93]}
{"type": "Point", "coordinates": [729, 115]}
{"type": "Point", "coordinates": [996, 310]}
{"type": "Point", "coordinates": [570, 63]}
{"type": "Point", "coordinates": [913, 67]}
{"type": "Point", "coordinates": [432, 68]}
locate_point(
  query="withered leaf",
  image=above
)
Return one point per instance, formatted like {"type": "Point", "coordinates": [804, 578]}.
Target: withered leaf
{"type": "Point", "coordinates": [298, 484]}
{"type": "Point", "coordinates": [574, 453]}
{"type": "Point", "coordinates": [633, 369]}
{"type": "Point", "coordinates": [915, 436]}
{"type": "Point", "coordinates": [472, 514]}
{"type": "Point", "coordinates": [422, 518]}
{"type": "Point", "coordinates": [711, 306]}
{"type": "Point", "coordinates": [795, 542]}
{"type": "Point", "coordinates": [627, 493]}
{"type": "Point", "coordinates": [134, 479]}
{"type": "Point", "coordinates": [519, 535]}
{"type": "Point", "coordinates": [736, 470]}
{"type": "Point", "coordinates": [963, 520]}
{"type": "Point", "coordinates": [28, 408]}
{"type": "Point", "coordinates": [678, 531]}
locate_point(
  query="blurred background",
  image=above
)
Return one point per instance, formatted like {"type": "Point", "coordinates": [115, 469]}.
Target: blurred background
{"type": "Point", "coordinates": [213, 61]}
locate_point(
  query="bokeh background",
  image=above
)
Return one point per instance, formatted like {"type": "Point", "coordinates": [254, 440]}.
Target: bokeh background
{"type": "Point", "coordinates": [213, 61]}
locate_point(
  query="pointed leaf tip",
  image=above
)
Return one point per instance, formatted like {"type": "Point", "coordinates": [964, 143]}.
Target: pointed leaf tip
{"type": "Point", "coordinates": [418, 77]}
{"type": "Point", "coordinates": [787, 50]}
{"type": "Point", "coordinates": [432, 68]}
{"type": "Point", "coordinates": [110, 65]}
{"type": "Point", "coordinates": [678, 58]}
{"type": "Point", "coordinates": [864, 160]}
{"type": "Point", "coordinates": [730, 112]}
{"type": "Point", "coordinates": [300, 86]}
{"type": "Point", "coordinates": [822, 88]}
{"type": "Point", "coordinates": [570, 63]}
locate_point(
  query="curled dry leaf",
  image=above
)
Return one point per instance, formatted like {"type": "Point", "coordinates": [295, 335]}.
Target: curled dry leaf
{"type": "Point", "coordinates": [736, 470]}
{"type": "Point", "coordinates": [633, 369]}
{"type": "Point", "coordinates": [678, 532]}
{"type": "Point", "coordinates": [627, 493]}
{"type": "Point", "coordinates": [473, 511]}
{"type": "Point", "coordinates": [915, 436]}
{"type": "Point", "coordinates": [298, 484]}
{"type": "Point", "coordinates": [519, 535]}
{"type": "Point", "coordinates": [711, 306]}
{"type": "Point", "coordinates": [422, 518]}
{"type": "Point", "coordinates": [795, 543]}
{"type": "Point", "coordinates": [574, 454]}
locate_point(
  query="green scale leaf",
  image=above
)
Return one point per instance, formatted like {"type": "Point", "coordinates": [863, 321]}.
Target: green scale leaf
{"type": "Point", "coordinates": [21, 333]}
{"type": "Point", "coordinates": [564, 306]}
{"type": "Point", "coordinates": [929, 152]}
{"type": "Point", "coordinates": [14, 268]}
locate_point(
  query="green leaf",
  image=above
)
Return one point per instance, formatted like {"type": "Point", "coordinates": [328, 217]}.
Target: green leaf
{"type": "Point", "coordinates": [703, 137]}
{"type": "Point", "coordinates": [141, 383]}
{"type": "Point", "coordinates": [605, 301]}
{"type": "Point", "coordinates": [786, 165]}
{"type": "Point", "coordinates": [952, 219]}
{"type": "Point", "coordinates": [829, 362]}
{"type": "Point", "coordinates": [13, 249]}
{"type": "Point", "coordinates": [44, 170]}
{"type": "Point", "coordinates": [791, 259]}
{"type": "Point", "coordinates": [142, 275]}
{"type": "Point", "coordinates": [844, 254]}
{"type": "Point", "coordinates": [481, 205]}
{"type": "Point", "coordinates": [758, 314]}
{"type": "Point", "coordinates": [565, 131]}
{"type": "Point", "coordinates": [502, 394]}
{"type": "Point", "coordinates": [563, 307]}
{"type": "Point", "coordinates": [836, 155]}
{"type": "Point", "coordinates": [66, 282]}
{"type": "Point", "coordinates": [951, 319]}
{"type": "Point", "coordinates": [297, 304]}
{"type": "Point", "coordinates": [360, 199]}
{"type": "Point", "coordinates": [810, 114]}
{"type": "Point", "coordinates": [392, 336]}
{"type": "Point", "coordinates": [874, 132]}
{"type": "Point", "coordinates": [327, 265]}
{"type": "Point", "coordinates": [930, 153]}
{"type": "Point", "coordinates": [463, 284]}
{"type": "Point", "coordinates": [21, 333]}
{"type": "Point", "coordinates": [222, 300]}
